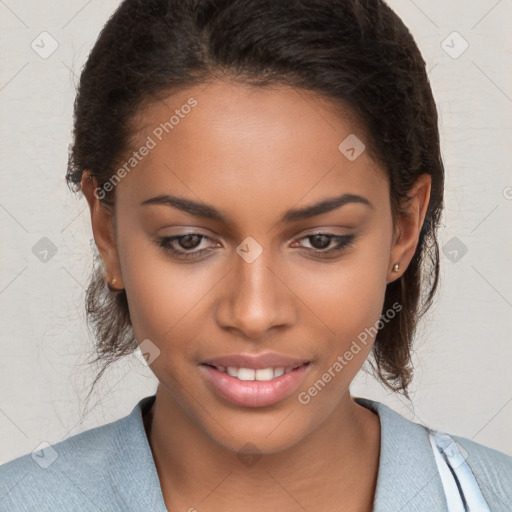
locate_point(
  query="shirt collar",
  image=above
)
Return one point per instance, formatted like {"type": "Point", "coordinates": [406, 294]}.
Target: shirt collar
{"type": "Point", "coordinates": [141, 482]}
{"type": "Point", "coordinates": [407, 480]}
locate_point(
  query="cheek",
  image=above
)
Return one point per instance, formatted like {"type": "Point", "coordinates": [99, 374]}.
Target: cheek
{"type": "Point", "coordinates": [347, 303]}
{"type": "Point", "coordinates": [347, 296]}
{"type": "Point", "coordinates": [165, 298]}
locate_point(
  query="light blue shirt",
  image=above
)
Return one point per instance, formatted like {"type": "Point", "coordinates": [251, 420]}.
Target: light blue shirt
{"type": "Point", "coordinates": [111, 468]}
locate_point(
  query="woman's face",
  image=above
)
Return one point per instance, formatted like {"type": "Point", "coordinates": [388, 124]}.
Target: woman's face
{"type": "Point", "coordinates": [247, 281]}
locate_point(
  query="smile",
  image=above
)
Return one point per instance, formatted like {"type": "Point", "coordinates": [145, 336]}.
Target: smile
{"type": "Point", "coordinates": [254, 387]}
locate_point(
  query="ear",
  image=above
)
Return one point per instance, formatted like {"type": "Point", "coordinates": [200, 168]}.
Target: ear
{"type": "Point", "coordinates": [408, 228]}
{"type": "Point", "coordinates": [102, 220]}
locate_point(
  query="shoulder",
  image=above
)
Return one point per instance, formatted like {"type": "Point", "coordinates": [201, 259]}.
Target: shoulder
{"type": "Point", "coordinates": [408, 444]}
{"type": "Point", "coordinates": [96, 469]}
{"type": "Point", "coordinates": [73, 467]}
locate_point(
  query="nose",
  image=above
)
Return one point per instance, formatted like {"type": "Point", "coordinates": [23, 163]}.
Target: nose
{"type": "Point", "coordinates": [255, 298]}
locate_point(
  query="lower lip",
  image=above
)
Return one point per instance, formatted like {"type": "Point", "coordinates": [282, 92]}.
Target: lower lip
{"type": "Point", "coordinates": [254, 393]}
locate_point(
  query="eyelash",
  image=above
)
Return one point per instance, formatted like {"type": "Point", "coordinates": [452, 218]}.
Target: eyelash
{"type": "Point", "coordinates": [344, 242]}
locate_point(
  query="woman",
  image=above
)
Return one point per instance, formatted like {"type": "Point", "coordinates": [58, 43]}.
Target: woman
{"type": "Point", "coordinates": [265, 185]}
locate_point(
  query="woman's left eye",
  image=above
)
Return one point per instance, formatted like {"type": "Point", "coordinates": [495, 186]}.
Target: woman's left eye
{"type": "Point", "coordinates": [325, 239]}
{"type": "Point", "coordinates": [193, 240]}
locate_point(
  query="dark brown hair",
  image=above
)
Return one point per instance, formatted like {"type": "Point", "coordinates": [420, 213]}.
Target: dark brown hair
{"type": "Point", "coordinates": [355, 52]}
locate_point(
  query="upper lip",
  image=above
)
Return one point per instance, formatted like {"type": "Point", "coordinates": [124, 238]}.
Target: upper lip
{"type": "Point", "coordinates": [256, 362]}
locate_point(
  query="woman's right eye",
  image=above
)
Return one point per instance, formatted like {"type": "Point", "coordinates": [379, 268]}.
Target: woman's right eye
{"type": "Point", "coordinates": [186, 242]}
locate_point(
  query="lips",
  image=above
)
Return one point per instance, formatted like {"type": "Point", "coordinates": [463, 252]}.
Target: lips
{"type": "Point", "coordinates": [254, 381]}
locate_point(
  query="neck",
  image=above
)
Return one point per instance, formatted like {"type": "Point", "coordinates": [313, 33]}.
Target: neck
{"type": "Point", "coordinates": [337, 464]}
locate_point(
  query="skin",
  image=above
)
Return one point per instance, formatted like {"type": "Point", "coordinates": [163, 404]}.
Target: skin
{"type": "Point", "coordinates": [255, 153]}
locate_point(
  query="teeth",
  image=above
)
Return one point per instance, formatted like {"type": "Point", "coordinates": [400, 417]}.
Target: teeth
{"type": "Point", "coordinates": [278, 372]}
{"type": "Point", "coordinates": [263, 374]}
{"type": "Point", "coordinates": [246, 374]}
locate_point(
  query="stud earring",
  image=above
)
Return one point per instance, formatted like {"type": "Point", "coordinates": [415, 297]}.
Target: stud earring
{"type": "Point", "coordinates": [110, 284]}
{"type": "Point", "coordinates": [396, 267]}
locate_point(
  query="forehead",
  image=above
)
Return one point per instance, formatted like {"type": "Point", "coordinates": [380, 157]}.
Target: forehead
{"type": "Point", "coordinates": [236, 144]}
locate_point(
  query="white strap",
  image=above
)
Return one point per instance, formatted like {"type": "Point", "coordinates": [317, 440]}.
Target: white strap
{"type": "Point", "coordinates": [460, 486]}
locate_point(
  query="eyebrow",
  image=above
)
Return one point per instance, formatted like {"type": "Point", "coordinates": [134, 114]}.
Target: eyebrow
{"type": "Point", "coordinates": [292, 215]}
